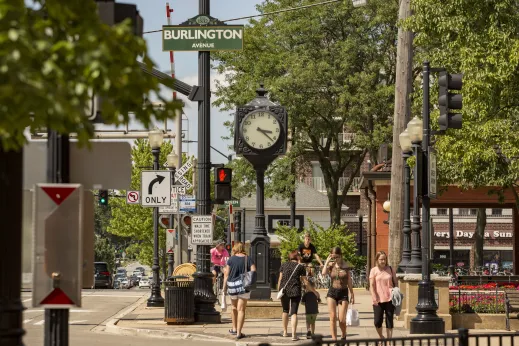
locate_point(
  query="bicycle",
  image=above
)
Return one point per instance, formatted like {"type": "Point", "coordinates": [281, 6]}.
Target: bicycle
{"type": "Point", "coordinates": [218, 285]}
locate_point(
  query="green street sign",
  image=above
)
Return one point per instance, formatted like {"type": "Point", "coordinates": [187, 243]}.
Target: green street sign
{"type": "Point", "coordinates": [202, 38]}
{"type": "Point", "coordinates": [235, 203]}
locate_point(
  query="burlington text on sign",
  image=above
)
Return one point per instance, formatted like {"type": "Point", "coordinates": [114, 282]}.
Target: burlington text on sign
{"type": "Point", "coordinates": [202, 38]}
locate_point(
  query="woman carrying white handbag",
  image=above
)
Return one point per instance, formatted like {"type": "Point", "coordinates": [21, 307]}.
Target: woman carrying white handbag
{"type": "Point", "coordinates": [289, 286]}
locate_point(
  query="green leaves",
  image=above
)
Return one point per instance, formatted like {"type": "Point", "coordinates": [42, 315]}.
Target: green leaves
{"type": "Point", "coordinates": [332, 67]}
{"type": "Point", "coordinates": [323, 239]}
{"type": "Point", "coordinates": [479, 39]}
{"type": "Point", "coordinates": [52, 59]}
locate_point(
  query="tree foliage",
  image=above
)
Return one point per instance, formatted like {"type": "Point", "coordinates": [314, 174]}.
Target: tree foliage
{"type": "Point", "coordinates": [323, 240]}
{"type": "Point", "coordinates": [479, 39]}
{"type": "Point", "coordinates": [333, 67]}
{"type": "Point", "coordinates": [104, 251]}
{"type": "Point", "coordinates": [135, 221]}
{"type": "Point", "coordinates": [53, 55]}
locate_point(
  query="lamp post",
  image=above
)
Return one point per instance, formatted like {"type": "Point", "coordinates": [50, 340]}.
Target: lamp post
{"type": "Point", "coordinates": [426, 321]}
{"type": "Point", "coordinates": [415, 130]}
{"type": "Point", "coordinates": [361, 216]}
{"type": "Point", "coordinates": [156, 137]}
{"type": "Point", "coordinates": [407, 151]}
{"type": "Point", "coordinates": [172, 160]}
{"type": "Point", "coordinates": [387, 209]}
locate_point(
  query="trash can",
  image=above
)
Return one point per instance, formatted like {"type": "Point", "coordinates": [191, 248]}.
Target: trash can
{"type": "Point", "coordinates": [180, 300]}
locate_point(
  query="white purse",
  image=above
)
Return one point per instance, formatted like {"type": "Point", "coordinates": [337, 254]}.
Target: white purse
{"type": "Point", "coordinates": [281, 292]}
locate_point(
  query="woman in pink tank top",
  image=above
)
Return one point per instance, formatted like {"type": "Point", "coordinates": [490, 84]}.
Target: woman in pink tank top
{"type": "Point", "coordinates": [382, 279]}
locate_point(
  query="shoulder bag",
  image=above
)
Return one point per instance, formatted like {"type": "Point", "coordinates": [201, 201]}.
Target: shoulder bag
{"type": "Point", "coordinates": [249, 277]}
{"type": "Point", "coordinates": [281, 292]}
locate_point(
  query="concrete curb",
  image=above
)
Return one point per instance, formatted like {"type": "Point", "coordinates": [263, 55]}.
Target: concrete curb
{"type": "Point", "coordinates": [112, 328]}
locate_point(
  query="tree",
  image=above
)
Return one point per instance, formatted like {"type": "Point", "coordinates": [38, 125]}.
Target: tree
{"type": "Point", "coordinates": [104, 251]}
{"type": "Point", "coordinates": [62, 46]}
{"type": "Point", "coordinates": [479, 236]}
{"type": "Point", "coordinates": [323, 240]}
{"type": "Point", "coordinates": [135, 221]}
{"type": "Point", "coordinates": [333, 68]}
{"type": "Point", "coordinates": [479, 39]}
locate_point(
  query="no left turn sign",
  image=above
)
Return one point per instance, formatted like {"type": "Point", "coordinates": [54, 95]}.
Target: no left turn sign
{"type": "Point", "coordinates": [132, 197]}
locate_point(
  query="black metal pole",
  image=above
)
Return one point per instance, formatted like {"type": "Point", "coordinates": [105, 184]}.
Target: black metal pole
{"type": "Point", "coordinates": [155, 300]}
{"type": "Point", "coordinates": [293, 208]}
{"type": "Point", "coordinates": [451, 243]}
{"type": "Point", "coordinates": [58, 171]}
{"type": "Point", "coordinates": [11, 206]}
{"type": "Point", "coordinates": [205, 298]}
{"type": "Point", "coordinates": [415, 264]}
{"type": "Point", "coordinates": [426, 321]}
{"type": "Point", "coordinates": [171, 260]}
{"type": "Point", "coordinates": [406, 230]}
{"type": "Point", "coordinates": [260, 245]}
{"type": "Point", "coordinates": [360, 234]}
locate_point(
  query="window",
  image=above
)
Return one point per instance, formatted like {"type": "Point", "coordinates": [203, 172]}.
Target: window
{"type": "Point", "coordinates": [467, 211]}
{"type": "Point", "coordinates": [441, 211]}
{"type": "Point", "coordinates": [497, 211]}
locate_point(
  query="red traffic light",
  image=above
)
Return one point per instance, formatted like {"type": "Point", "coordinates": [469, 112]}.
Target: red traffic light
{"type": "Point", "coordinates": [223, 175]}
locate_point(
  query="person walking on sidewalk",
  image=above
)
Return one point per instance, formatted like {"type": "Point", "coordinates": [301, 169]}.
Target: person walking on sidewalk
{"type": "Point", "coordinates": [236, 266]}
{"type": "Point", "coordinates": [337, 296]}
{"type": "Point", "coordinates": [382, 279]}
{"type": "Point", "coordinates": [311, 299]}
{"type": "Point", "coordinates": [290, 275]}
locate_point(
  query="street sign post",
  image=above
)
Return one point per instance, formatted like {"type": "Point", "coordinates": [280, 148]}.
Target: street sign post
{"type": "Point", "coordinates": [202, 230]}
{"type": "Point", "coordinates": [234, 202]}
{"type": "Point", "coordinates": [433, 172]}
{"type": "Point", "coordinates": [133, 197]}
{"type": "Point", "coordinates": [170, 240]}
{"type": "Point", "coordinates": [155, 188]}
{"type": "Point", "coordinates": [58, 248]}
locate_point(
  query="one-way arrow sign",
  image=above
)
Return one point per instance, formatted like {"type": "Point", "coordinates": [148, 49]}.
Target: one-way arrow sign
{"type": "Point", "coordinates": [155, 188]}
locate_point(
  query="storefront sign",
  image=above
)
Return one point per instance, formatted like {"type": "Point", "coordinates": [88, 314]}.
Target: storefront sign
{"type": "Point", "coordinates": [469, 235]}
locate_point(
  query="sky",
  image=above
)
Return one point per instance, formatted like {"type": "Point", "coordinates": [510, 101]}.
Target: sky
{"type": "Point", "coordinates": [153, 13]}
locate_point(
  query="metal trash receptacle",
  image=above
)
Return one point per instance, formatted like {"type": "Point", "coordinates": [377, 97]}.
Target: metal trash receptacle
{"type": "Point", "coordinates": [179, 305]}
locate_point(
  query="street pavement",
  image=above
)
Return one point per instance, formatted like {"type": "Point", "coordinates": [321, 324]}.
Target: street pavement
{"type": "Point", "coordinates": [87, 324]}
{"type": "Point", "coordinates": [150, 321]}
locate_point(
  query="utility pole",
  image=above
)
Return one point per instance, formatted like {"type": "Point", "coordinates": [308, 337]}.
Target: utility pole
{"type": "Point", "coordinates": [403, 89]}
{"type": "Point", "coordinates": [11, 307]}
{"type": "Point", "coordinates": [204, 295]}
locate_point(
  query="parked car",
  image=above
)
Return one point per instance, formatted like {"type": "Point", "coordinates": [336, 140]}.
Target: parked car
{"type": "Point", "coordinates": [102, 276]}
{"type": "Point", "coordinates": [138, 273]}
{"type": "Point", "coordinates": [117, 284]}
{"type": "Point", "coordinates": [144, 282]}
{"type": "Point", "coordinates": [142, 270]}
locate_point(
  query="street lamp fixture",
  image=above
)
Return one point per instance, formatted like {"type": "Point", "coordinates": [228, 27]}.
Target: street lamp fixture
{"type": "Point", "coordinates": [387, 209]}
{"type": "Point", "coordinates": [156, 137]}
{"type": "Point", "coordinates": [172, 159]}
{"type": "Point", "coordinates": [415, 129]}
{"type": "Point", "coordinates": [405, 142]}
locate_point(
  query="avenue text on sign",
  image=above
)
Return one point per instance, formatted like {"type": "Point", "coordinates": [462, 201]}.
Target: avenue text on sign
{"type": "Point", "coordinates": [202, 38]}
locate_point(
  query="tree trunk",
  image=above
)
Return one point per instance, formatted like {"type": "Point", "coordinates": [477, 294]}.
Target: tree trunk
{"type": "Point", "coordinates": [403, 88]}
{"type": "Point", "coordinates": [479, 236]}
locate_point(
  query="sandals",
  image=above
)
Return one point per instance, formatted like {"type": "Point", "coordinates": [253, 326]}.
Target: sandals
{"type": "Point", "coordinates": [283, 334]}
{"type": "Point", "coordinates": [295, 339]}
{"type": "Point", "coordinates": [241, 336]}
{"type": "Point", "coordinates": [232, 332]}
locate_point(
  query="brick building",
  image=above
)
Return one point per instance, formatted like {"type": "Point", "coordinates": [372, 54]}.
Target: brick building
{"type": "Point", "coordinates": [502, 219]}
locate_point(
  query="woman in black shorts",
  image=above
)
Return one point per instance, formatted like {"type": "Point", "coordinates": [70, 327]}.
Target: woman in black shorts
{"type": "Point", "coordinates": [337, 296]}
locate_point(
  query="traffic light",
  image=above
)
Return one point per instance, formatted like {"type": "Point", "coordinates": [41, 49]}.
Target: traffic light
{"type": "Point", "coordinates": [449, 101]}
{"type": "Point", "coordinates": [222, 184]}
{"type": "Point", "coordinates": [103, 197]}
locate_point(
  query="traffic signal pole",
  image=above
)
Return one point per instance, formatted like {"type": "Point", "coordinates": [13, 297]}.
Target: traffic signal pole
{"type": "Point", "coordinates": [11, 307]}
{"type": "Point", "coordinates": [58, 171]}
{"type": "Point", "coordinates": [205, 298]}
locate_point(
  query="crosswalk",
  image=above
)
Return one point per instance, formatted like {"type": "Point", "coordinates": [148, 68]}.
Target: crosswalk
{"type": "Point", "coordinates": [39, 322]}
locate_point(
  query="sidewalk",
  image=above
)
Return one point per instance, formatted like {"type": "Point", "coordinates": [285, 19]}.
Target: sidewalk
{"type": "Point", "coordinates": [140, 320]}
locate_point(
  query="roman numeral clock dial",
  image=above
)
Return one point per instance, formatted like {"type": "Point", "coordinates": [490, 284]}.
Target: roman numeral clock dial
{"type": "Point", "coordinates": [260, 130]}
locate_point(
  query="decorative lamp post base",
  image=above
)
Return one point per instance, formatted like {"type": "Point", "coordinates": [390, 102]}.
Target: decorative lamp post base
{"type": "Point", "coordinates": [204, 295]}
{"type": "Point", "coordinates": [155, 301]}
{"type": "Point", "coordinates": [427, 321]}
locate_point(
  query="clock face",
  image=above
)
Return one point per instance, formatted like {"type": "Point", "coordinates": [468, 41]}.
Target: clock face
{"type": "Point", "coordinates": [261, 130]}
